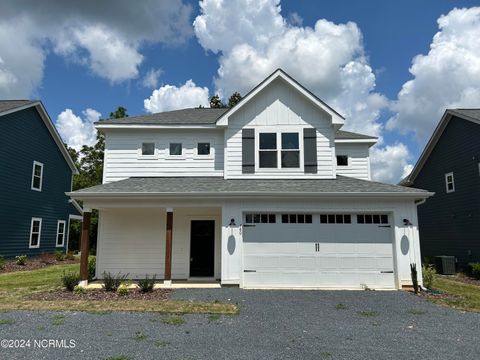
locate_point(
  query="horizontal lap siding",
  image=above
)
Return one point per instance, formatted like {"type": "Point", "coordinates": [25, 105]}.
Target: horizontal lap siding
{"type": "Point", "coordinates": [23, 139]}
{"type": "Point", "coordinates": [358, 160]}
{"type": "Point", "coordinates": [122, 154]}
{"type": "Point", "coordinates": [279, 105]}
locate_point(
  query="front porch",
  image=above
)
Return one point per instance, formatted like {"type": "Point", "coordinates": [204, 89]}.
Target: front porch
{"type": "Point", "coordinates": [179, 244]}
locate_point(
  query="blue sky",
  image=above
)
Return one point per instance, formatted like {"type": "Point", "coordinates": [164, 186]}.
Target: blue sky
{"type": "Point", "coordinates": [79, 73]}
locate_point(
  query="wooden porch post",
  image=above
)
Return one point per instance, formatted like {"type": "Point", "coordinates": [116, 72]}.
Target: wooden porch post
{"type": "Point", "coordinates": [168, 248]}
{"type": "Point", "coordinates": [84, 248]}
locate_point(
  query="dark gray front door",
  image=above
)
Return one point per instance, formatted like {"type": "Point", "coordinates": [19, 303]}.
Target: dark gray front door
{"type": "Point", "coordinates": [202, 248]}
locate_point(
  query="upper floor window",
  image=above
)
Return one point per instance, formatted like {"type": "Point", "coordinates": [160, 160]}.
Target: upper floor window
{"type": "Point", "coordinates": [203, 148]}
{"type": "Point", "coordinates": [175, 149]}
{"type": "Point", "coordinates": [287, 155]}
{"type": "Point", "coordinates": [37, 176]}
{"type": "Point", "coordinates": [449, 182]}
{"type": "Point", "coordinates": [35, 230]}
{"type": "Point", "coordinates": [61, 233]}
{"type": "Point", "coordinates": [148, 149]}
{"type": "Point", "coordinates": [342, 160]}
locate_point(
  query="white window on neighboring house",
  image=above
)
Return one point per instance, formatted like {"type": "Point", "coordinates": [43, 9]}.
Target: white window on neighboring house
{"type": "Point", "coordinates": [37, 176]}
{"type": "Point", "coordinates": [35, 231]}
{"type": "Point", "coordinates": [148, 149]}
{"type": "Point", "coordinates": [342, 160]}
{"type": "Point", "coordinates": [203, 148]}
{"type": "Point", "coordinates": [175, 149]}
{"type": "Point", "coordinates": [449, 182]}
{"type": "Point", "coordinates": [60, 241]}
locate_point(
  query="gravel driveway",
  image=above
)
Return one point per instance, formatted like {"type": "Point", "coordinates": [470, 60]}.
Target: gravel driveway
{"type": "Point", "coordinates": [271, 325]}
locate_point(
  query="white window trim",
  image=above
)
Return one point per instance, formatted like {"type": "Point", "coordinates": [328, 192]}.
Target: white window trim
{"type": "Point", "coordinates": [175, 157]}
{"type": "Point", "coordinates": [39, 233]}
{"type": "Point", "coordinates": [279, 169]}
{"type": "Point", "coordinates": [63, 235]}
{"type": "Point", "coordinates": [147, 157]}
{"type": "Point", "coordinates": [203, 157]}
{"type": "Point", "coordinates": [33, 176]}
{"type": "Point", "coordinates": [342, 166]}
{"type": "Point", "coordinates": [446, 182]}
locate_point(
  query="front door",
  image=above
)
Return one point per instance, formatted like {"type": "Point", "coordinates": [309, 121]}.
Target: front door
{"type": "Point", "coordinates": [202, 248]}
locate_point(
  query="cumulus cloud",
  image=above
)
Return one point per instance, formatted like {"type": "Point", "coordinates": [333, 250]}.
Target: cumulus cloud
{"type": "Point", "coordinates": [170, 97]}
{"type": "Point", "coordinates": [77, 131]}
{"type": "Point", "coordinates": [447, 77]}
{"type": "Point", "coordinates": [390, 163]}
{"type": "Point", "coordinates": [150, 80]}
{"type": "Point", "coordinates": [105, 36]}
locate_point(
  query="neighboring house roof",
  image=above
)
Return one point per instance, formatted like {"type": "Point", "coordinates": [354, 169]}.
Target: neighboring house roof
{"type": "Point", "coordinates": [347, 135]}
{"type": "Point", "coordinates": [10, 106]}
{"type": "Point", "coordinates": [472, 115]}
{"type": "Point", "coordinates": [218, 186]}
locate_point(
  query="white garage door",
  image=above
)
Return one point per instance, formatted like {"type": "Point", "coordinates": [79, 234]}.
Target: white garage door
{"type": "Point", "coordinates": [317, 251]}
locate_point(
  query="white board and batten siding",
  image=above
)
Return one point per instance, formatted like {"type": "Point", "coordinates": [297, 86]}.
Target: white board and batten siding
{"type": "Point", "coordinates": [358, 160]}
{"type": "Point", "coordinates": [123, 153]}
{"type": "Point", "coordinates": [279, 107]}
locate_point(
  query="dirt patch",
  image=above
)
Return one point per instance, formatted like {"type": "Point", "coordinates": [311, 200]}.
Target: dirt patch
{"type": "Point", "coordinates": [34, 263]}
{"type": "Point", "coordinates": [462, 278]}
{"type": "Point", "coordinates": [102, 295]}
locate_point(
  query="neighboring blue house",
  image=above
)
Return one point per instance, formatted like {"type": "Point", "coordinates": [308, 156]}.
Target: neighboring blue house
{"type": "Point", "coordinates": [450, 166]}
{"type": "Point", "coordinates": [36, 172]}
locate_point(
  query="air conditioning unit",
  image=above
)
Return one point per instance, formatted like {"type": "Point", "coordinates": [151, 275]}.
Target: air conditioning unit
{"type": "Point", "coordinates": [445, 265]}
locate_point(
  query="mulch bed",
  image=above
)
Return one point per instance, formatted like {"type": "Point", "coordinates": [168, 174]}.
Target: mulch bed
{"type": "Point", "coordinates": [462, 278]}
{"type": "Point", "coordinates": [34, 263]}
{"type": "Point", "coordinates": [102, 295]}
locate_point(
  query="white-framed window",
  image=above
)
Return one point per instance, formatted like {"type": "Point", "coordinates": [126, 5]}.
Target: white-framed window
{"type": "Point", "coordinates": [35, 231]}
{"type": "Point", "coordinates": [342, 160]}
{"type": "Point", "coordinates": [449, 182]}
{"type": "Point", "coordinates": [279, 150]}
{"type": "Point", "coordinates": [203, 148]}
{"type": "Point", "coordinates": [61, 225]}
{"type": "Point", "coordinates": [175, 149]}
{"type": "Point", "coordinates": [37, 176]}
{"type": "Point", "coordinates": [148, 148]}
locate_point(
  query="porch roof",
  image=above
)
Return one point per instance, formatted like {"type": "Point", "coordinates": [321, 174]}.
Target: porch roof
{"type": "Point", "coordinates": [218, 186]}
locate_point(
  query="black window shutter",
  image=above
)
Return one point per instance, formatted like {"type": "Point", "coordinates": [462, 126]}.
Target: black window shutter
{"type": "Point", "coordinates": [248, 151]}
{"type": "Point", "coordinates": [310, 150]}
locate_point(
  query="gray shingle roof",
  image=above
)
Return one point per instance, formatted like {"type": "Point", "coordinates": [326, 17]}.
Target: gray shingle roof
{"type": "Point", "coordinates": [219, 185]}
{"type": "Point", "coordinates": [473, 113]}
{"type": "Point", "coordinates": [342, 134]}
{"type": "Point", "coordinates": [6, 105]}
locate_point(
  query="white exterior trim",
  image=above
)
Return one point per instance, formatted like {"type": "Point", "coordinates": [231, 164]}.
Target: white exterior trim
{"type": "Point", "coordinates": [37, 163]}
{"type": "Point", "coordinates": [153, 126]}
{"type": "Point", "coordinates": [63, 234]}
{"type": "Point", "coordinates": [39, 233]}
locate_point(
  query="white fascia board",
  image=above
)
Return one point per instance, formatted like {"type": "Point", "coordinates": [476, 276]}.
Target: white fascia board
{"type": "Point", "coordinates": [153, 126]}
{"type": "Point", "coordinates": [356, 141]}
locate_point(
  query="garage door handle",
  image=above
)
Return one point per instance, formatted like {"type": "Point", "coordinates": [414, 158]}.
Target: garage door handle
{"type": "Point", "coordinates": [384, 226]}
{"type": "Point", "coordinates": [248, 225]}
{"type": "Point", "coordinates": [249, 271]}
{"type": "Point", "coordinates": [387, 272]}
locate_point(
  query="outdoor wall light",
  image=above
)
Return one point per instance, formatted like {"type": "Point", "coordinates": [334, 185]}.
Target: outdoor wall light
{"type": "Point", "coordinates": [407, 222]}
{"type": "Point", "coordinates": [232, 222]}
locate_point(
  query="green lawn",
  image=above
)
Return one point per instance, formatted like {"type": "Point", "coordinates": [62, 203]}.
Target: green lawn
{"type": "Point", "coordinates": [462, 296]}
{"type": "Point", "coordinates": [15, 287]}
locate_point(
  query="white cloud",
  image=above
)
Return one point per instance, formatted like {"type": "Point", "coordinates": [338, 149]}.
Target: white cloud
{"type": "Point", "coordinates": [150, 80]}
{"type": "Point", "coordinates": [390, 163]}
{"type": "Point", "coordinates": [294, 18]}
{"type": "Point", "coordinates": [170, 97]}
{"type": "Point", "coordinates": [447, 77]}
{"type": "Point", "coordinates": [77, 131]}
{"type": "Point", "coordinates": [104, 36]}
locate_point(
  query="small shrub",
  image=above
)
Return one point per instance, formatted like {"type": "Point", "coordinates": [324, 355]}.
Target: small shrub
{"type": "Point", "coordinates": [122, 289]}
{"type": "Point", "coordinates": [70, 280]}
{"type": "Point", "coordinates": [2, 262]}
{"type": "Point", "coordinates": [474, 270]}
{"type": "Point", "coordinates": [428, 272]}
{"type": "Point", "coordinates": [59, 255]}
{"type": "Point", "coordinates": [174, 320]}
{"type": "Point", "coordinates": [21, 259]}
{"type": "Point", "coordinates": [146, 285]}
{"type": "Point", "coordinates": [92, 262]}
{"type": "Point", "coordinates": [112, 282]}
{"type": "Point", "coordinates": [70, 256]}
{"type": "Point", "coordinates": [79, 290]}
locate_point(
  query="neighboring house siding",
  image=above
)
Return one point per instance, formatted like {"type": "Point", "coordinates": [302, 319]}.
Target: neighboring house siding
{"type": "Point", "coordinates": [358, 160]}
{"type": "Point", "coordinates": [23, 139]}
{"type": "Point", "coordinates": [450, 222]}
{"type": "Point", "coordinates": [279, 107]}
{"type": "Point", "coordinates": [123, 160]}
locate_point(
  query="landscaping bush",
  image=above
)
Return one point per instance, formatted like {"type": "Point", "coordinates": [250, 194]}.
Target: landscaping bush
{"type": "Point", "coordinates": [70, 280]}
{"type": "Point", "coordinates": [92, 262]}
{"type": "Point", "coordinates": [146, 285]}
{"type": "Point", "coordinates": [122, 289]}
{"type": "Point", "coordinates": [59, 255]}
{"type": "Point", "coordinates": [79, 290]}
{"type": "Point", "coordinates": [70, 256]}
{"type": "Point", "coordinates": [429, 272]}
{"type": "Point", "coordinates": [474, 270]}
{"type": "Point", "coordinates": [2, 262]}
{"type": "Point", "coordinates": [112, 282]}
{"type": "Point", "coordinates": [21, 259]}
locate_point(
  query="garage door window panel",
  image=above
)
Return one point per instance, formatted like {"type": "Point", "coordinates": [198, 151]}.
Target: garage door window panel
{"type": "Point", "coordinates": [335, 219]}
{"type": "Point", "coordinates": [260, 218]}
{"type": "Point", "coordinates": [372, 219]}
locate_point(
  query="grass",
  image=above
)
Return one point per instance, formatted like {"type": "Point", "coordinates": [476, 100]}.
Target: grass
{"type": "Point", "coordinates": [7, 322]}
{"type": "Point", "coordinates": [139, 336]}
{"type": "Point", "coordinates": [174, 320]}
{"type": "Point", "coordinates": [367, 313]}
{"type": "Point", "coordinates": [325, 355]}
{"type": "Point", "coordinates": [161, 343]}
{"type": "Point", "coordinates": [121, 357]}
{"type": "Point", "coordinates": [341, 306]}
{"type": "Point", "coordinates": [417, 311]}
{"type": "Point", "coordinates": [15, 287]}
{"type": "Point", "coordinates": [58, 319]}
{"type": "Point", "coordinates": [462, 296]}
{"type": "Point", "coordinates": [214, 317]}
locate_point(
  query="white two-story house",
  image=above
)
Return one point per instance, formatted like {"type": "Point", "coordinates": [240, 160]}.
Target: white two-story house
{"type": "Point", "coordinates": [268, 194]}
